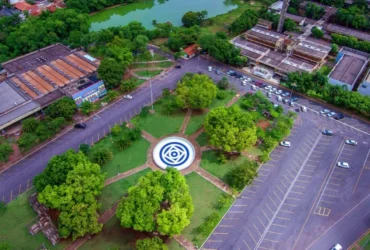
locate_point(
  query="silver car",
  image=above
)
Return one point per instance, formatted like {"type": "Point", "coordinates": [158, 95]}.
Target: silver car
{"type": "Point", "coordinates": [343, 164]}
{"type": "Point", "coordinates": [351, 142]}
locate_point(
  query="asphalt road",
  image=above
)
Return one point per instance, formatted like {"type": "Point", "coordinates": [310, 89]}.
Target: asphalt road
{"type": "Point", "coordinates": [300, 199]}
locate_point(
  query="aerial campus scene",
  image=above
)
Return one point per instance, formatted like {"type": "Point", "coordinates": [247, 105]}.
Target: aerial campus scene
{"type": "Point", "coordinates": [185, 124]}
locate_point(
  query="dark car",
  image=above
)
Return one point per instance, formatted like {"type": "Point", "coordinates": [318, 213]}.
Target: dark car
{"type": "Point", "coordinates": [233, 74]}
{"type": "Point", "coordinates": [238, 76]}
{"type": "Point", "coordinates": [263, 85]}
{"type": "Point", "coordinates": [339, 116]}
{"type": "Point", "coordinates": [178, 66]}
{"type": "Point", "coordinates": [258, 84]}
{"type": "Point", "coordinates": [294, 99]}
{"type": "Point", "coordinates": [217, 72]}
{"type": "Point", "coordinates": [80, 125]}
{"type": "Point", "coordinates": [327, 132]}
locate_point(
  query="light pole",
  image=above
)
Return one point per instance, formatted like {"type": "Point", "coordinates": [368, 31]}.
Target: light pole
{"type": "Point", "coordinates": [151, 93]}
{"type": "Point", "coordinates": [199, 50]}
{"type": "Point", "coordinates": [293, 85]}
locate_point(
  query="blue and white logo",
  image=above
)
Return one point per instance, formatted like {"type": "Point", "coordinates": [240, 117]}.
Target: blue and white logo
{"type": "Point", "coordinates": [174, 152]}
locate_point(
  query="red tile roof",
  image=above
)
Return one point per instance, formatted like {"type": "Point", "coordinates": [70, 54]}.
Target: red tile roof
{"type": "Point", "coordinates": [191, 49]}
{"type": "Point", "coordinates": [22, 6]}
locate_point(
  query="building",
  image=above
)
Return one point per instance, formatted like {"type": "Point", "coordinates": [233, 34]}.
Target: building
{"type": "Point", "coordinates": [276, 7]}
{"type": "Point", "coordinates": [350, 64]}
{"type": "Point", "coordinates": [334, 28]}
{"type": "Point", "coordinates": [4, 11]}
{"type": "Point", "coordinates": [265, 37]}
{"type": "Point", "coordinates": [311, 49]}
{"type": "Point", "coordinates": [264, 24]}
{"type": "Point", "coordinates": [364, 87]}
{"type": "Point", "coordinates": [39, 78]}
{"type": "Point", "coordinates": [190, 51]}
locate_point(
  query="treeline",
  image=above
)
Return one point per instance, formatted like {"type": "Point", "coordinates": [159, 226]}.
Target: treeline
{"type": "Point", "coordinates": [354, 17]}
{"type": "Point", "coordinates": [351, 42]}
{"type": "Point", "coordinates": [333, 94]}
{"type": "Point", "coordinates": [88, 6]}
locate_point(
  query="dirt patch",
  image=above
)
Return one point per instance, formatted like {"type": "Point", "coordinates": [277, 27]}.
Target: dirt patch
{"type": "Point", "coordinates": [264, 124]}
{"type": "Point", "coordinates": [196, 112]}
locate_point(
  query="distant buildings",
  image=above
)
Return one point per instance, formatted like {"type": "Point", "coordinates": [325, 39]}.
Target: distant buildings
{"type": "Point", "coordinates": [350, 64]}
{"type": "Point", "coordinates": [38, 8]}
{"type": "Point", "coordinates": [39, 78]}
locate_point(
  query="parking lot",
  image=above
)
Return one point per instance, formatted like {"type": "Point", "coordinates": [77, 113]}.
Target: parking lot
{"type": "Point", "coordinates": [301, 194]}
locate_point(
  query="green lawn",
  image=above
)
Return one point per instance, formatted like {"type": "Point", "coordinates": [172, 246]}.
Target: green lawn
{"type": "Point", "coordinates": [14, 226]}
{"type": "Point", "coordinates": [152, 65]}
{"type": "Point", "coordinates": [158, 124]}
{"type": "Point", "coordinates": [204, 194]}
{"type": "Point", "coordinates": [202, 139]}
{"type": "Point", "coordinates": [148, 73]}
{"type": "Point", "coordinates": [364, 243]}
{"type": "Point", "coordinates": [127, 159]}
{"type": "Point", "coordinates": [197, 118]}
{"type": "Point", "coordinates": [254, 151]}
{"type": "Point", "coordinates": [210, 163]}
{"type": "Point", "coordinates": [156, 57]}
{"type": "Point", "coordinates": [113, 192]}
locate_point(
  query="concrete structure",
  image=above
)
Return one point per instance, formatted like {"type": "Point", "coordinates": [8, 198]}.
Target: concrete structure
{"type": "Point", "coordinates": [265, 37]}
{"type": "Point", "coordinates": [334, 28]}
{"type": "Point", "coordinates": [282, 15]}
{"type": "Point", "coordinates": [264, 24]}
{"type": "Point", "coordinates": [350, 64]}
{"type": "Point", "coordinates": [276, 7]}
{"type": "Point", "coordinates": [300, 20]}
{"type": "Point", "coordinates": [312, 49]}
{"type": "Point", "coordinates": [364, 87]}
{"type": "Point", "coordinates": [39, 78]}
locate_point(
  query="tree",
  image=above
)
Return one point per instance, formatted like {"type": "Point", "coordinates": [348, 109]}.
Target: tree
{"type": "Point", "coordinates": [290, 25]}
{"type": "Point", "coordinates": [191, 18]}
{"type": "Point", "coordinates": [102, 156]}
{"type": "Point", "coordinates": [244, 22]}
{"type": "Point", "coordinates": [112, 95]}
{"type": "Point", "coordinates": [86, 107]}
{"type": "Point", "coordinates": [128, 85]}
{"type": "Point", "coordinates": [116, 130]}
{"type": "Point", "coordinates": [229, 129]}
{"type": "Point", "coordinates": [111, 72]}
{"type": "Point", "coordinates": [120, 54]}
{"type": "Point", "coordinates": [29, 125]}
{"type": "Point", "coordinates": [84, 148]}
{"type": "Point", "coordinates": [154, 243]}
{"type": "Point", "coordinates": [158, 202]}
{"type": "Point", "coordinates": [242, 175]}
{"type": "Point", "coordinates": [5, 151]}
{"type": "Point", "coordinates": [223, 83]}
{"type": "Point", "coordinates": [316, 32]}
{"type": "Point", "coordinates": [197, 92]}
{"type": "Point", "coordinates": [314, 11]}
{"type": "Point", "coordinates": [334, 49]}
{"type": "Point", "coordinates": [64, 107]}
{"type": "Point", "coordinates": [26, 141]}
{"type": "Point", "coordinates": [140, 43]}
{"type": "Point", "coordinates": [4, 246]}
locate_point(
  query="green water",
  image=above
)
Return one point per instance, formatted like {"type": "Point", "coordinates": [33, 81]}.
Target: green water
{"type": "Point", "coordinates": [160, 10]}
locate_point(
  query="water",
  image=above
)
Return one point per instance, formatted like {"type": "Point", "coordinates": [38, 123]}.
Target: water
{"type": "Point", "coordinates": [160, 10]}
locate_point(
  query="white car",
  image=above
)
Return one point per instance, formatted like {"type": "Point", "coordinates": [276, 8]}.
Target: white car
{"type": "Point", "coordinates": [210, 68]}
{"type": "Point", "coordinates": [268, 87]}
{"type": "Point", "coordinates": [331, 114]}
{"type": "Point", "coordinates": [304, 109]}
{"type": "Point", "coordinates": [279, 92]}
{"type": "Point", "coordinates": [342, 164]}
{"type": "Point", "coordinates": [129, 97]}
{"type": "Point", "coordinates": [324, 111]}
{"type": "Point", "coordinates": [286, 94]}
{"type": "Point", "coordinates": [274, 89]}
{"type": "Point", "coordinates": [351, 142]}
{"type": "Point", "coordinates": [337, 247]}
{"type": "Point", "coordinates": [285, 144]}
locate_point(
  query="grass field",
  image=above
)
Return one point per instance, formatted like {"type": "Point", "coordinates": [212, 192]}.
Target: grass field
{"type": "Point", "coordinates": [115, 191]}
{"type": "Point", "coordinates": [14, 226]}
{"type": "Point", "coordinates": [204, 194]}
{"type": "Point", "coordinates": [152, 65]}
{"type": "Point", "coordinates": [210, 163]}
{"type": "Point", "coordinates": [127, 159]}
{"type": "Point", "coordinates": [148, 73]}
{"type": "Point", "coordinates": [202, 139]}
{"type": "Point", "coordinates": [364, 243]}
{"type": "Point", "coordinates": [197, 118]}
{"type": "Point", "coordinates": [158, 124]}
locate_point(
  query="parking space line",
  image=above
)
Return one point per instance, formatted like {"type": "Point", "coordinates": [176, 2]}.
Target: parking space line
{"type": "Point", "coordinates": [333, 184]}
{"type": "Point", "coordinates": [282, 218]}
{"type": "Point", "coordinates": [269, 208]}
{"type": "Point", "coordinates": [250, 191]}
{"type": "Point", "coordinates": [280, 189]}
{"type": "Point", "coordinates": [252, 237]}
{"type": "Point", "coordinates": [258, 180]}
{"type": "Point", "coordinates": [267, 218]}
{"type": "Point", "coordinates": [290, 173]}
{"type": "Point", "coordinates": [266, 248]}
{"type": "Point", "coordinates": [272, 232]}
{"type": "Point", "coordinates": [335, 178]}
{"type": "Point", "coordinates": [290, 198]}
{"type": "Point", "coordinates": [215, 241]}
{"type": "Point", "coordinates": [277, 225]}
{"type": "Point", "coordinates": [277, 195]}
{"type": "Point", "coordinates": [329, 195]}
{"type": "Point", "coordinates": [298, 165]}
{"type": "Point", "coordinates": [304, 175]}
{"type": "Point", "coordinates": [287, 179]}
{"type": "Point", "coordinates": [332, 189]}
{"type": "Point", "coordinates": [221, 233]}
{"type": "Point", "coordinates": [294, 169]}
{"type": "Point", "coordinates": [264, 169]}
{"type": "Point", "coordinates": [299, 186]}
{"type": "Point", "coordinates": [245, 197]}
{"type": "Point", "coordinates": [261, 222]}
{"type": "Point", "coordinates": [308, 170]}
{"type": "Point", "coordinates": [273, 201]}
{"type": "Point", "coordinates": [246, 244]}
{"type": "Point", "coordinates": [240, 205]}
{"type": "Point", "coordinates": [327, 201]}
{"type": "Point", "coordinates": [303, 181]}
{"type": "Point", "coordinates": [283, 184]}
{"type": "Point", "coordinates": [364, 166]}
{"type": "Point", "coordinates": [287, 204]}
{"type": "Point", "coordinates": [271, 240]}
{"type": "Point", "coordinates": [296, 192]}
{"type": "Point", "coordinates": [257, 230]}
{"type": "Point", "coordinates": [286, 211]}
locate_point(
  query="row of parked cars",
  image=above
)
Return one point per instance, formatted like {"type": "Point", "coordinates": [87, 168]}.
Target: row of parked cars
{"type": "Point", "coordinates": [328, 113]}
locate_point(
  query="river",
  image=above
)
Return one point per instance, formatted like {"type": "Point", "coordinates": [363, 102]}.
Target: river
{"type": "Point", "coordinates": [159, 10]}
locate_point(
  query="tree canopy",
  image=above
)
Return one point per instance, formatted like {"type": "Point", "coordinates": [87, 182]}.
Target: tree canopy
{"type": "Point", "coordinates": [192, 18]}
{"type": "Point", "coordinates": [64, 107]}
{"type": "Point", "coordinates": [154, 243]}
{"type": "Point", "coordinates": [195, 91]}
{"type": "Point", "coordinates": [245, 21]}
{"type": "Point", "coordinates": [111, 71]}
{"type": "Point", "coordinates": [230, 129]}
{"type": "Point", "coordinates": [158, 202]}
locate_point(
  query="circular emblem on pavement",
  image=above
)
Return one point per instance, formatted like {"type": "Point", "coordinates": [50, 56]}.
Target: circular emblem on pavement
{"type": "Point", "coordinates": [175, 152]}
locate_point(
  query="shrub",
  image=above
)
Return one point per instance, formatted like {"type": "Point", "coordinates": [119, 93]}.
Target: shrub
{"type": "Point", "coordinates": [242, 175]}
{"type": "Point", "coordinates": [221, 157]}
{"type": "Point", "coordinates": [128, 85]}
{"type": "Point", "coordinates": [86, 107]}
{"type": "Point", "coordinates": [112, 95]}
{"type": "Point", "coordinates": [116, 130]}
{"type": "Point", "coordinates": [221, 95]}
{"type": "Point", "coordinates": [102, 156]}
{"type": "Point", "coordinates": [169, 108]}
{"type": "Point", "coordinates": [42, 132]}
{"type": "Point", "coordinates": [209, 223]}
{"type": "Point", "coordinates": [144, 112]}
{"type": "Point", "coordinates": [154, 243]}
{"type": "Point", "coordinates": [2, 210]}
{"type": "Point", "coordinates": [134, 134]}
{"type": "Point", "coordinates": [123, 143]}
{"type": "Point", "coordinates": [29, 125]}
{"type": "Point", "coordinates": [264, 157]}
{"type": "Point", "coordinates": [26, 141]}
{"type": "Point", "coordinates": [166, 92]}
{"type": "Point", "coordinates": [84, 148]}
{"type": "Point", "coordinates": [223, 201]}
{"type": "Point", "coordinates": [64, 107]}
{"type": "Point", "coordinates": [56, 124]}
{"type": "Point", "coordinates": [223, 83]}
{"type": "Point", "coordinates": [5, 151]}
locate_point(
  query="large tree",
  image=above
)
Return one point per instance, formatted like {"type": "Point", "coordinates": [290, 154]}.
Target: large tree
{"type": "Point", "coordinates": [111, 71]}
{"type": "Point", "coordinates": [158, 202]}
{"type": "Point", "coordinates": [195, 91]}
{"type": "Point", "coordinates": [192, 18]}
{"type": "Point", "coordinates": [230, 129]}
{"type": "Point", "coordinates": [64, 107]}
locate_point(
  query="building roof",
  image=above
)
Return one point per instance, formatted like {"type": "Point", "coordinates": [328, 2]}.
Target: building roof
{"type": "Point", "coordinates": [8, 12]}
{"type": "Point", "coordinates": [191, 49]}
{"type": "Point", "coordinates": [43, 71]}
{"type": "Point", "coordinates": [313, 47]}
{"type": "Point", "coordinates": [347, 69]}
{"type": "Point", "coordinates": [82, 84]}
{"type": "Point", "coordinates": [276, 6]}
{"type": "Point", "coordinates": [10, 97]}
{"type": "Point", "coordinates": [264, 23]}
{"type": "Point", "coordinates": [249, 49]}
{"type": "Point", "coordinates": [295, 18]}
{"type": "Point", "coordinates": [265, 34]}
{"type": "Point", "coordinates": [23, 6]}
{"type": "Point", "coordinates": [333, 28]}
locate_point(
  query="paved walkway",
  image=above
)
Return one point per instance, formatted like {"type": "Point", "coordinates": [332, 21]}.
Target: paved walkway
{"type": "Point", "coordinates": [196, 134]}
{"type": "Point", "coordinates": [207, 148]}
{"type": "Point", "coordinates": [234, 99]}
{"type": "Point", "coordinates": [125, 174]}
{"type": "Point", "coordinates": [214, 180]}
{"type": "Point", "coordinates": [186, 121]}
{"type": "Point", "coordinates": [184, 242]}
{"type": "Point", "coordinates": [148, 137]}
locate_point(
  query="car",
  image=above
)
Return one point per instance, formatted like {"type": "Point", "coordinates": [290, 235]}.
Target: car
{"type": "Point", "coordinates": [257, 83]}
{"type": "Point", "coordinates": [248, 79]}
{"type": "Point", "coordinates": [279, 98]}
{"type": "Point", "coordinates": [267, 87]}
{"type": "Point", "coordinates": [263, 85]}
{"type": "Point", "coordinates": [274, 89]}
{"type": "Point", "coordinates": [291, 104]}
{"type": "Point", "coordinates": [217, 72]}
{"type": "Point", "coordinates": [276, 106]}
{"type": "Point", "coordinates": [244, 83]}
{"type": "Point", "coordinates": [285, 144]}
{"type": "Point", "coordinates": [285, 94]}
{"type": "Point", "coordinates": [80, 125]}
{"type": "Point", "coordinates": [303, 108]}
{"type": "Point", "coordinates": [129, 97]}
{"type": "Point", "coordinates": [327, 132]}
{"type": "Point", "coordinates": [271, 90]}
{"type": "Point", "coordinates": [294, 99]}
{"type": "Point", "coordinates": [230, 72]}
{"type": "Point", "coordinates": [210, 68]}
{"type": "Point", "coordinates": [253, 87]}
{"type": "Point", "coordinates": [233, 74]}
{"type": "Point", "coordinates": [285, 101]}
{"type": "Point", "coordinates": [238, 76]}
{"type": "Point", "coordinates": [178, 66]}
{"type": "Point", "coordinates": [351, 142]}
{"type": "Point", "coordinates": [336, 247]}
{"type": "Point", "coordinates": [339, 116]}
{"type": "Point", "coordinates": [278, 92]}
{"type": "Point", "coordinates": [343, 164]}
{"type": "Point", "coordinates": [324, 111]}
{"type": "Point", "coordinates": [331, 114]}
{"type": "Point", "coordinates": [268, 94]}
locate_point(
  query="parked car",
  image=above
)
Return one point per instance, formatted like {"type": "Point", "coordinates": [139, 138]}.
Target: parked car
{"type": "Point", "coordinates": [339, 116]}
{"type": "Point", "coordinates": [274, 89]}
{"type": "Point", "coordinates": [285, 101]}
{"type": "Point", "coordinates": [304, 109]}
{"type": "Point", "coordinates": [268, 94]}
{"type": "Point", "coordinates": [230, 71]}
{"type": "Point", "coordinates": [263, 85]}
{"type": "Point", "coordinates": [233, 74]}
{"type": "Point", "coordinates": [253, 87]}
{"type": "Point", "coordinates": [279, 92]}
{"type": "Point", "coordinates": [351, 142]}
{"type": "Point", "coordinates": [294, 99]}
{"type": "Point", "coordinates": [80, 125]}
{"type": "Point", "coordinates": [268, 87]}
{"type": "Point", "coordinates": [331, 114]}
{"type": "Point", "coordinates": [258, 84]}
{"type": "Point", "coordinates": [327, 132]}
{"type": "Point", "coordinates": [238, 76]}
{"type": "Point", "coordinates": [324, 111]}
{"type": "Point", "coordinates": [129, 97]}
{"type": "Point", "coordinates": [285, 94]}
{"type": "Point", "coordinates": [217, 72]}
{"type": "Point", "coordinates": [279, 98]}
{"type": "Point", "coordinates": [210, 68]}
{"type": "Point", "coordinates": [343, 164]}
{"type": "Point", "coordinates": [337, 247]}
{"type": "Point", "coordinates": [276, 106]}
{"type": "Point", "coordinates": [291, 104]}
{"type": "Point", "coordinates": [178, 66]}
{"type": "Point", "coordinates": [285, 144]}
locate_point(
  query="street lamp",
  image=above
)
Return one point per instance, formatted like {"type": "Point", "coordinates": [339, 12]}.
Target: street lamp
{"type": "Point", "coordinates": [199, 50]}
{"type": "Point", "coordinates": [293, 85]}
